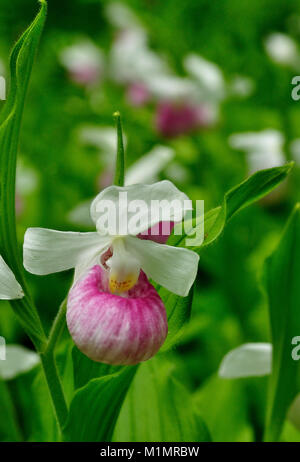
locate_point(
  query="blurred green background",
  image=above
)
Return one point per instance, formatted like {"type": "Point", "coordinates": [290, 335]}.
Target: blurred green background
{"type": "Point", "coordinates": [229, 307]}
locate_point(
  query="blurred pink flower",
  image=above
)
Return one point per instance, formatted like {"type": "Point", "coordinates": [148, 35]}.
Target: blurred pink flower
{"type": "Point", "coordinates": [137, 94]}
{"type": "Point", "coordinates": [85, 76]}
{"type": "Point", "coordinates": [174, 119]}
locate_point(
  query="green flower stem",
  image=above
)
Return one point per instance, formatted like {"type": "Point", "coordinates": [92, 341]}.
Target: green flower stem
{"type": "Point", "coordinates": [50, 368]}
{"type": "Point", "coordinates": [120, 163]}
{"type": "Point", "coordinates": [57, 327]}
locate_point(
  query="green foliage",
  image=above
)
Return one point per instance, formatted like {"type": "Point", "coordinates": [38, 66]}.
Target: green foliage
{"type": "Point", "coordinates": [95, 407]}
{"type": "Point", "coordinates": [282, 284]}
{"type": "Point", "coordinates": [158, 408]}
{"type": "Point", "coordinates": [21, 62]}
{"type": "Point", "coordinates": [157, 401]}
{"type": "Point", "coordinates": [235, 200]}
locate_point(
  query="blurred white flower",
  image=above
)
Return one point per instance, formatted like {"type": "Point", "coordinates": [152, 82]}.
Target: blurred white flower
{"type": "Point", "coordinates": [295, 150]}
{"type": "Point", "coordinates": [172, 88]}
{"type": "Point", "coordinates": [26, 182]}
{"type": "Point", "coordinates": [208, 77]}
{"type": "Point", "coordinates": [263, 149]}
{"type": "Point", "coordinates": [131, 59]}
{"type": "Point", "coordinates": [145, 170]}
{"type": "Point", "coordinates": [84, 62]}
{"type": "Point", "coordinates": [18, 360]}
{"type": "Point", "coordinates": [26, 179]}
{"type": "Point", "coordinates": [242, 86]}
{"type": "Point", "coordinates": [255, 360]}
{"type": "Point", "coordinates": [177, 172]}
{"type": "Point", "coordinates": [282, 49]}
{"type": "Point", "coordinates": [103, 138]}
{"type": "Point", "coordinates": [10, 289]}
{"type": "Point", "coordinates": [121, 16]}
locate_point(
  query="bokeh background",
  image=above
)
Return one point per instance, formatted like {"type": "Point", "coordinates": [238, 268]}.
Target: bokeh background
{"type": "Point", "coordinates": [67, 152]}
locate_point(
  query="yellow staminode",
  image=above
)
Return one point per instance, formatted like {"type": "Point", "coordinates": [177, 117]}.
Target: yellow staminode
{"type": "Point", "coordinates": [117, 285]}
{"type": "Point", "coordinates": [124, 268]}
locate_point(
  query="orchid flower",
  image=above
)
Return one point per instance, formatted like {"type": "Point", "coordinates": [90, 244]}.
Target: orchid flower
{"type": "Point", "coordinates": [132, 62]}
{"type": "Point", "coordinates": [189, 103]}
{"type": "Point", "coordinates": [175, 119]}
{"type": "Point", "coordinates": [83, 61]}
{"type": "Point", "coordinates": [255, 360]}
{"type": "Point", "coordinates": [114, 314]}
{"type": "Point", "coordinates": [10, 289]}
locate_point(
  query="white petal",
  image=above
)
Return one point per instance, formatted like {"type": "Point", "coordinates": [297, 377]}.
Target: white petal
{"type": "Point", "coordinates": [17, 360]}
{"type": "Point", "coordinates": [265, 140]}
{"type": "Point", "coordinates": [169, 87]}
{"type": "Point", "coordinates": [120, 199]}
{"type": "Point", "coordinates": [172, 267]}
{"type": "Point", "coordinates": [80, 56]}
{"type": "Point", "coordinates": [49, 251]}
{"type": "Point", "coordinates": [146, 169]}
{"type": "Point", "coordinates": [207, 74]}
{"type": "Point", "coordinates": [9, 286]}
{"type": "Point", "coordinates": [248, 360]}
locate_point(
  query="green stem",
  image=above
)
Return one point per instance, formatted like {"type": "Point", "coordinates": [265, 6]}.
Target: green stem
{"type": "Point", "coordinates": [50, 368]}
{"type": "Point", "coordinates": [57, 327]}
{"type": "Point", "coordinates": [120, 163]}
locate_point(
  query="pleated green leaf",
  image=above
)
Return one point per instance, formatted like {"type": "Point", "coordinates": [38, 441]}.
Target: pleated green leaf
{"type": "Point", "coordinates": [96, 406]}
{"type": "Point", "coordinates": [158, 408]}
{"type": "Point", "coordinates": [282, 272]}
{"type": "Point", "coordinates": [236, 199]}
{"type": "Point", "coordinates": [21, 63]}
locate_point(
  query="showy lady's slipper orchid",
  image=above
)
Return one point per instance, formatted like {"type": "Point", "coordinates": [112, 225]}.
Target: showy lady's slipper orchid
{"type": "Point", "coordinates": [114, 314]}
{"type": "Point", "coordinates": [10, 289]}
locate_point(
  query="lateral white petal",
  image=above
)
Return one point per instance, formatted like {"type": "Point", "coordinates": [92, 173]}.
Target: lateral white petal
{"type": "Point", "coordinates": [248, 360]}
{"type": "Point", "coordinates": [126, 207]}
{"type": "Point", "coordinates": [174, 268]}
{"type": "Point", "coordinates": [9, 287]}
{"type": "Point", "coordinates": [47, 251]}
{"type": "Point", "coordinates": [18, 360]}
